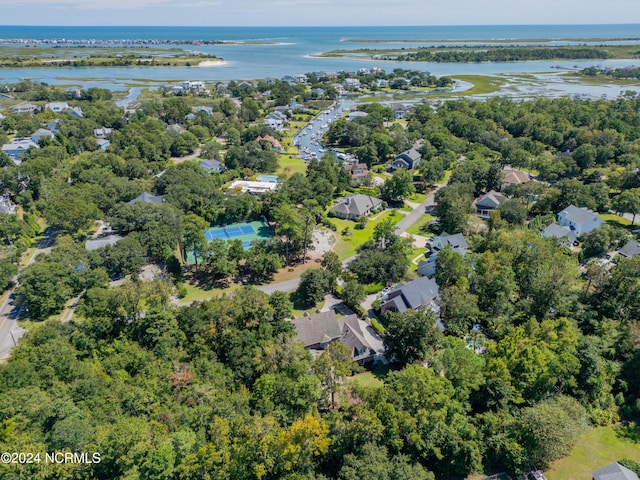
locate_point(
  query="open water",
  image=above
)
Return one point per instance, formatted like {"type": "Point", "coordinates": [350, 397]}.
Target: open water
{"type": "Point", "coordinates": [278, 51]}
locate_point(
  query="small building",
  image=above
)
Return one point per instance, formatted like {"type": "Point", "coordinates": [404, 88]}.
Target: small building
{"type": "Point", "coordinates": [488, 202]}
{"type": "Point", "coordinates": [560, 232]}
{"type": "Point", "coordinates": [103, 143]}
{"type": "Point", "coordinates": [212, 166]}
{"type": "Point", "coordinates": [351, 83]}
{"type": "Point", "coordinates": [54, 126]}
{"type": "Point", "coordinates": [614, 471]}
{"type": "Point", "coordinates": [408, 160]}
{"type": "Point", "coordinates": [275, 144]}
{"type": "Point", "coordinates": [355, 205]}
{"type": "Point", "coordinates": [42, 133]}
{"type": "Point", "coordinates": [76, 112]}
{"type": "Point", "coordinates": [513, 176]}
{"type": "Point", "coordinates": [102, 132]}
{"type": "Point", "coordinates": [25, 108]}
{"type": "Point", "coordinates": [579, 219]}
{"type": "Point", "coordinates": [208, 111]}
{"type": "Point", "coordinates": [57, 107]}
{"type": "Point", "coordinates": [382, 83]}
{"type": "Point", "coordinates": [400, 111]}
{"type": "Point", "coordinates": [102, 242]}
{"type": "Point", "coordinates": [318, 331]}
{"type": "Point", "coordinates": [358, 171]}
{"type": "Point", "coordinates": [415, 295]}
{"type": "Point", "coordinates": [255, 188]}
{"type": "Point", "coordinates": [631, 249]}
{"type": "Point", "coordinates": [146, 197]}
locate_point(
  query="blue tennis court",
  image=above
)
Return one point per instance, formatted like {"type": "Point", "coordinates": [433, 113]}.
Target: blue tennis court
{"type": "Point", "coordinates": [229, 232]}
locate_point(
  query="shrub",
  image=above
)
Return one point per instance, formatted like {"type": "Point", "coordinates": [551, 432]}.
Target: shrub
{"type": "Point", "coordinates": [377, 326]}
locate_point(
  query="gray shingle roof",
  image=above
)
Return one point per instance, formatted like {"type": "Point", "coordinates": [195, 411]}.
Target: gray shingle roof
{"type": "Point", "coordinates": [211, 165]}
{"type": "Point", "coordinates": [326, 327]}
{"type": "Point", "coordinates": [146, 197]}
{"type": "Point", "coordinates": [614, 471]}
{"type": "Point", "coordinates": [631, 249]}
{"type": "Point", "coordinates": [102, 242]}
{"type": "Point", "coordinates": [417, 293]}
{"type": "Point", "coordinates": [356, 204]}
{"type": "Point", "coordinates": [489, 200]}
{"type": "Point", "coordinates": [578, 215]}
{"type": "Point", "coordinates": [457, 241]}
{"type": "Point", "coordinates": [558, 231]}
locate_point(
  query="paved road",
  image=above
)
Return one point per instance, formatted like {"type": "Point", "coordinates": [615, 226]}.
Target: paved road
{"type": "Point", "coordinates": [413, 216]}
{"type": "Point", "coordinates": [10, 332]}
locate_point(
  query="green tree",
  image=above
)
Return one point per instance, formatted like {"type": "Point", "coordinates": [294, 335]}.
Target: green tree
{"type": "Point", "coordinates": [628, 202]}
{"type": "Point", "coordinates": [194, 227]}
{"type": "Point", "coordinates": [399, 187]}
{"type": "Point", "coordinates": [332, 367]}
{"type": "Point", "coordinates": [315, 283]}
{"type": "Point", "coordinates": [353, 294]}
{"type": "Point", "coordinates": [411, 335]}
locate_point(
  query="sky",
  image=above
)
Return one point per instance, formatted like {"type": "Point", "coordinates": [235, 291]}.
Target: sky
{"type": "Point", "coordinates": [315, 12]}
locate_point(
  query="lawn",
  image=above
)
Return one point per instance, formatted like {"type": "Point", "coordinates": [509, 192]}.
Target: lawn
{"type": "Point", "coordinates": [368, 380]}
{"type": "Point", "coordinates": [290, 165]}
{"type": "Point", "coordinates": [596, 448]}
{"type": "Point", "coordinates": [416, 228]}
{"type": "Point", "coordinates": [612, 219]}
{"type": "Point", "coordinates": [346, 246]}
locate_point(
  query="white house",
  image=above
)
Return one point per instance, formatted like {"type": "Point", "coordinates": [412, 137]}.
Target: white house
{"type": "Point", "coordinates": [579, 219]}
{"type": "Point", "coordinates": [57, 107]}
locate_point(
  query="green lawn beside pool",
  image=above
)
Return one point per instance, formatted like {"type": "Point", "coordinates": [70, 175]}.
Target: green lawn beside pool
{"type": "Point", "coordinates": [346, 246]}
{"type": "Point", "coordinates": [596, 448]}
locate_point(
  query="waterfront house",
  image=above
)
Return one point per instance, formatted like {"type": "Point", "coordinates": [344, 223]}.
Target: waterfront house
{"type": "Point", "coordinates": [355, 205]}
{"type": "Point", "coordinates": [358, 171]}
{"type": "Point", "coordinates": [25, 108]}
{"type": "Point", "coordinates": [409, 159]}
{"type": "Point", "coordinates": [351, 83]}
{"type": "Point", "coordinates": [488, 202]}
{"type": "Point", "coordinates": [382, 83]}
{"type": "Point", "coordinates": [579, 219]}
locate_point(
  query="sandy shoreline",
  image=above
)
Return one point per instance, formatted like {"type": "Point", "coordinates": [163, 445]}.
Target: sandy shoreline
{"type": "Point", "coordinates": [212, 63]}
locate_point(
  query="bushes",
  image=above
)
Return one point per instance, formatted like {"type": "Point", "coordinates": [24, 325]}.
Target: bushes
{"type": "Point", "coordinates": [377, 326]}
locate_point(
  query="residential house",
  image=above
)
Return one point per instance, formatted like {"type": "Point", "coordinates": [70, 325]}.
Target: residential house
{"type": "Point", "coordinates": [255, 188]}
{"type": "Point", "coordinates": [301, 78]}
{"type": "Point", "coordinates": [102, 242]}
{"type": "Point", "coordinates": [202, 109]}
{"type": "Point", "coordinates": [103, 143]}
{"type": "Point", "coordinates": [54, 126]}
{"type": "Point", "coordinates": [275, 120]}
{"type": "Point", "coordinates": [415, 295]}
{"type": "Point", "coordinates": [488, 202]}
{"type": "Point", "coordinates": [514, 176]}
{"type": "Point", "coordinates": [318, 331]}
{"type": "Point", "coordinates": [400, 111]}
{"type": "Point", "coordinates": [560, 232]}
{"type": "Point", "coordinates": [409, 159]}
{"type": "Point", "coordinates": [355, 205]}
{"type": "Point", "coordinates": [579, 219]}
{"type": "Point", "coordinates": [212, 166]}
{"type": "Point", "coordinates": [102, 132]}
{"type": "Point", "coordinates": [358, 171]}
{"type": "Point", "coordinates": [42, 133]}
{"type": "Point", "coordinates": [318, 91]}
{"type": "Point", "coordinates": [57, 107]}
{"type": "Point", "coordinates": [7, 206]}
{"type": "Point", "coordinates": [289, 80]}
{"type": "Point", "coordinates": [146, 197]}
{"type": "Point", "coordinates": [351, 83]}
{"type": "Point", "coordinates": [614, 471]}
{"type": "Point", "coordinates": [188, 85]}
{"type": "Point", "coordinates": [382, 83]}
{"type": "Point", "coordinates": [375, 70]}
{"type": "Point", "coordinates": [25, 108]}
{"type": "Point", "coordinates": [76, 112]}
{"type": "Point", "coordinates": [275, 144]}
{"type": "Point", "coordinates": [631, 249]}
{"type": "Point", "coordinates": [17, 148]}
{"type": "Point", "coordinates": [458, 243]}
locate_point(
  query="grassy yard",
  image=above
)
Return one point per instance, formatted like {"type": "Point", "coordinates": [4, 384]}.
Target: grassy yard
{"type": "Point", "coordinates": [290, 165]}
{"type": "Point", "coordinates": [482, 84]}
{"type": "Point", "coordinates": [612, 219]}
{"type": "Point", "coordinates": [596, 448]}
{"type": "Point", "coordinates": [365, 380]}
{"type": "Point", "coordinates": [416, 228]}
{"type": "Point", "coordinates": [346, 246]}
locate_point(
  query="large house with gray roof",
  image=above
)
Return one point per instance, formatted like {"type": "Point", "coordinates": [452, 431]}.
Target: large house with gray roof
{"type": "Point", "coordinates": [409, 159]}
{"type": "Point", "coordinates": [418, 294]}
{"type": "Point", "coordinates": [631, 249]}
{"type": "Point", "coordinates": [579, 219]}
{"type": "Point", "coordinates": [488, 202]}
{"type": "Point", "coordinates": [614, 471]}
{"type": "Point", "coordinates": [356, 205]}
{"type": "Point", "coordinates": [458, 243]}
{"type": "Point", "coordinates": [316, 332]}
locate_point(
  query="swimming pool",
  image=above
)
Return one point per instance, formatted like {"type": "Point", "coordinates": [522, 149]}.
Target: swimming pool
{"type": "Point", "coordinates": [268, 178]}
